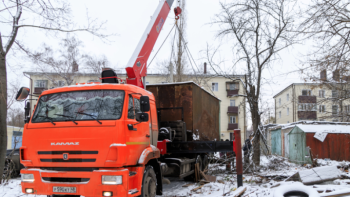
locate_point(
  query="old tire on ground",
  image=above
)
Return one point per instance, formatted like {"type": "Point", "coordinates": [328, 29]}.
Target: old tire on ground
{"type": "Point", "coordinates": [205, 162]}
{"type": "Point", "coordinates": [149, 183]}
{"type": "Point", "coordinates": [192, 176]}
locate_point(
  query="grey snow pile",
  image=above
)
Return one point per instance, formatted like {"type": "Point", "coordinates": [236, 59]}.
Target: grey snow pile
{"type": "Point", "coordinates": [275, 176]}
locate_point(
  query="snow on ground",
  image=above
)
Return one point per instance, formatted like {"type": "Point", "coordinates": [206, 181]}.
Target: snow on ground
{"type": "Point", "coordinates": [263, 183]}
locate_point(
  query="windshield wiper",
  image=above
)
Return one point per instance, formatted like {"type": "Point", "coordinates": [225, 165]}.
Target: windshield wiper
{"type": "Point", "coordinates": [67, 117]}
{"type": "Point", "coordinates": [50, 119]}
{"type": "Point", "coordinates": [92, 116]}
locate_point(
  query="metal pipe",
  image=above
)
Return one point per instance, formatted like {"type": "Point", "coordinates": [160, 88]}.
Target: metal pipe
{"type": "Point", "coordinates": [238, 152]}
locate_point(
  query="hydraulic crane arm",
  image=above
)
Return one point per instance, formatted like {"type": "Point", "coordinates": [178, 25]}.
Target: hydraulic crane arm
{"type": "Point", "coordinates": [137, 65]}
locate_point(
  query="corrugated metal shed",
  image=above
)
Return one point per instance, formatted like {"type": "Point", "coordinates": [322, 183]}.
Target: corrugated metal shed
{"type": "Point", "coordinates": [285, 141]}
{"type": "Point", "coordinates": [335, 146]}
{"type": "Point", "coordinates": [297, 146]}
{"type": "Point", "coordinates": [276, 142]}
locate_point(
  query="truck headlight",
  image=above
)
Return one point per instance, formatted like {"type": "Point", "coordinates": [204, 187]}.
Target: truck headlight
{"type": "Point", "coordinates": [27, 178]}
{"type": "Point", "coordinates": [112, 180]}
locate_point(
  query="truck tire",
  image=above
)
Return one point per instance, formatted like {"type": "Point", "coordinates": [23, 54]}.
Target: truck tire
{"type": "Point", "coordinates": [149, 183]}
{"type": "Point", "coordinates": [192, 176]}
{"type": "Point", "coordinates": [205, 162]}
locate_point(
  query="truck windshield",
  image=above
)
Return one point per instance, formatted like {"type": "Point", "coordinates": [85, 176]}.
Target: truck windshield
{"type": "Point", "coordinates": [80, 105]}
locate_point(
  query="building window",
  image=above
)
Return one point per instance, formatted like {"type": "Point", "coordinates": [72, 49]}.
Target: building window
{"type": "Point", "coordinates": [232, 86]}
{"type": "Point", "coordinates": [335, 120]}
{"type": "Point", "coordinates": [321, 120]}
{"type": "Point", "coordinates": [147, 83]}
{"type": "Point", "coordinates": [321, 93]}
{"type": "Point", "coordinates": [232, 119]}
{"type": "Point", "coordinates": [60, 83]}
{"type": "Point", "coordinates": [307, 107]}
{"type": "Point", "coordinates": [287, 111]}
{"type": "Point", "coordinates": [232, 137]}
{"type": "Point", "coordinates": [287, 121]}
{"type": "Point", "coordinates": [280, 102]}
{"type": "Point", "coordinates": [232, 102]}
{"type": "Point", "coordinates": [287, 97]}
{"type": "Point", "coordinates": [215, 87]}
{"type": "Point", "coordinates": [279, 114]}
{"type": "Point", "coordinates": [93, 80]}
{"type": "Point", "coordinates": [306, 92]}
{"type": "Point", "coordinates": [334, 93]}
{"type": "Point", "coordinates": [335, 109]}
{"type": "Point", "coordinates": [322, 108]}
{"type": "Point", "coordinates": [347, 109]}
{"type": "Point", "coordinates": [40, 84]}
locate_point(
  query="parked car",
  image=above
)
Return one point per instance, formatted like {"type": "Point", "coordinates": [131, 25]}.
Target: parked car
{"type": "Point", "coordinates": [12, 163]}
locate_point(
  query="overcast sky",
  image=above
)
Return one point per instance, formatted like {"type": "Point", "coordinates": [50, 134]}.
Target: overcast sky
{"type": "Point", "coordinates": [128, 19]}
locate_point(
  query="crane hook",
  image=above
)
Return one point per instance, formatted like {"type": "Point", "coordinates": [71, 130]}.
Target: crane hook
{"type": "Point", "coordinates": [177, 12]}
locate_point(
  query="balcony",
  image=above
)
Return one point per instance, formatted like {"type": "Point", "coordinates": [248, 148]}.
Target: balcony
{"type": "Point", "coordinates": [232, 109]}
{"type": "Point", "coordinates": [232, 92]}
{"type": "Point", "coordinates": [232, 126]}
{"type": "Point", "coordinates": [39, 90]}
{"type": "Point", "coordinates": [307, 115]}
{"type": "Point", "coordinates": [307, 99]}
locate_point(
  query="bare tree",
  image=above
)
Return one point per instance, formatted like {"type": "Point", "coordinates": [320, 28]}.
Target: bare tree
{"type": "Point", "coordinates": [16, 117]}
{"type": "Point", "coordinates": [259, 30]}
{"type": "Point", "coordinates": [64, 62]}
{"type": "Point", "coordinates": [95, 64]}
{"type": "Point", "coordinates": [327, 22]}
{"type": "Point", "coordinates": [49, 16]}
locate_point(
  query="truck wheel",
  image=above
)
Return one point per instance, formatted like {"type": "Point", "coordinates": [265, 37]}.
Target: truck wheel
{"type": "Point", "coordinates": [149, 183]}
{"type": "Point", "coordinates": [192, 176]}
{"type": "Point", "coordinates": [205, 162]}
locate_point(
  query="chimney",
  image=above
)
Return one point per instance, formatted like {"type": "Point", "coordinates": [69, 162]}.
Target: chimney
{"type": "Point", "coordinates": [75, 67]}
{"type": "Point", "coordinates": [323, 75]}
{"type": "Point", "coordinates": [205, 67]}
{"type": "Point", "coordinates": [336, 75]}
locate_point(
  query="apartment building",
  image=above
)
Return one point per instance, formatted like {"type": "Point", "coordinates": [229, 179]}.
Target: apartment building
{"type": "Point", "coordinates": [311, 101]}
{"type": "Point", "coordinates": [232, 109]}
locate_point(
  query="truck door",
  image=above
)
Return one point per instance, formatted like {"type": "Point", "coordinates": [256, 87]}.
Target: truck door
{"type": "Point", "coordinates": [141, 133]}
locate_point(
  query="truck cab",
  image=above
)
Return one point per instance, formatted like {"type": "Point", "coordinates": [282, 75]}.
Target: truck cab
{"type": "Point", "coordinates": [92, 140]}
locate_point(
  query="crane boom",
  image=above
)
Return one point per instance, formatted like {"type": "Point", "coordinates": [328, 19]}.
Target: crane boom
{"type": "Point", "coordinates": [137, 65]}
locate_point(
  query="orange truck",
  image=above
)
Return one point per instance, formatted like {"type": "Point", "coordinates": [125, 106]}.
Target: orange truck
{"type": "Point", "coordinates": [105, 139]}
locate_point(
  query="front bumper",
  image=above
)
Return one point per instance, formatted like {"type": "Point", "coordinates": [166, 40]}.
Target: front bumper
{"type": "Point", "coordinates": [91, 188]}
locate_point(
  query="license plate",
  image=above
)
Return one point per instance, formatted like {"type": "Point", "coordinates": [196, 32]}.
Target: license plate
{"type": "Point", "coordinates": [65, 189]}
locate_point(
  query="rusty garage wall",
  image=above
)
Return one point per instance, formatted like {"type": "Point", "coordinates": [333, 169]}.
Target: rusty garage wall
{"type": "Point", "coordinates": [201, 109]}
{"type": "Point", "coordinates": [336, 146]}
{"type": "Point", "coordinates": [205, 114]}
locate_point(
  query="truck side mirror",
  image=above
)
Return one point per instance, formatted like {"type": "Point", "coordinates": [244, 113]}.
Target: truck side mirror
{"type": "Point", "coordinates": [144, 103]}
{"type": "Point", "coordinates": [142, 117]}
{"type": "Point", "coordinates": [22, 94]}
{"type": "Point", "coordinates": [27, 112]}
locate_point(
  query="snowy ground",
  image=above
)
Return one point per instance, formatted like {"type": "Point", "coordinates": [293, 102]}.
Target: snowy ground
{"type": "Point", "coordinates": [264, 183]}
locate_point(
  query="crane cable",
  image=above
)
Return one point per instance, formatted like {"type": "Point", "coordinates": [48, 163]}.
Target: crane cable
{"type": "Point", "coordinates": [160, 47]}
{"type": "Point", "coordinates": [188, 51]}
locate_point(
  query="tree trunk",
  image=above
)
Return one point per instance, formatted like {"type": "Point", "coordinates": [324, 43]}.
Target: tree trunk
{"type": "Point", "coordinates": [256, 142]}
{"type": "Point", "coordinates": [3, 113]}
